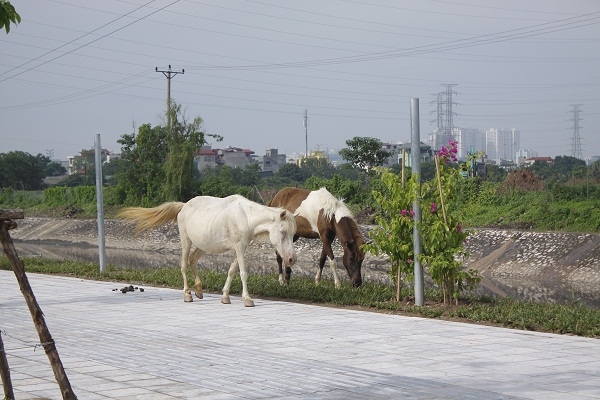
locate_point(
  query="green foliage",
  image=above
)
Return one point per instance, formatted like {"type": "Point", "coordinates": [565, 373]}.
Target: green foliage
{"type": "Point", "coordinates": [142, 182]}
{"type": "Point", "coordinates": [179, 168]}
{"type": "Point", "coordinates": [54, 168]}
{"type": "Point", "coordinates": [69, 196]}
{"type": "Point", "coordinates": [26, 199]}
{"type": "Point", "coordinates": [365, 153]}
{"type": "Point", "coordinates": [22, 171]}
{"type": "Point", "coordinates": [442, 235]}
{"type": "Point", "coordinates": [224, 181]}
{"type": "Point", "coordinates": [290, 171]}
{"type": "Point", "coordinates": [393, 234]}
{"type": "Point", "coordinates": [8, 14]}
{"type": "Point", "coordinates": [77, 180]}
{"type": "Point", "coordinates": [318, 167]}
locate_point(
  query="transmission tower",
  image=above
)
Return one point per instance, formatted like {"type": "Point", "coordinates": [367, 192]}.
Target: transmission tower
{"type": "Point", "coordinates": [576, 139]}
{"type": "Point", "coordinates": [445, 116]}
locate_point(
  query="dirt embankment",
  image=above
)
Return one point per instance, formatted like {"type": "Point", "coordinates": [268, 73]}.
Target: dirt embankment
{"type": "Point", "coordinates": [533, 265]}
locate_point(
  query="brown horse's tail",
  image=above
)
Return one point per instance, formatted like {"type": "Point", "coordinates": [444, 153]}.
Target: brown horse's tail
{"type": "Point", "coordinates": [148, 218]}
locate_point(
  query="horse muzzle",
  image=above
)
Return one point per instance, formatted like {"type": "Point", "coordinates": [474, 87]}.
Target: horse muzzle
{"type": "Point", "coordinates": [290, 261]}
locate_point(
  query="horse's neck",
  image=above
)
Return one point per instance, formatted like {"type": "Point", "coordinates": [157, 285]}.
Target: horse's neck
{"type": "Point", "coordinates": [347, 229]}
{"type": "Point", "coordinates": [261, 219]}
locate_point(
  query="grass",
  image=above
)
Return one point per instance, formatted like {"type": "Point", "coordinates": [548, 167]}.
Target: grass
{"type": "Point", "coordinates": [573, 319]}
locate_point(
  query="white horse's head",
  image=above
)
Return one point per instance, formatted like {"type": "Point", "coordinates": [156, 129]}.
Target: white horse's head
{"type": "Point", "coordinates": [282, 234]}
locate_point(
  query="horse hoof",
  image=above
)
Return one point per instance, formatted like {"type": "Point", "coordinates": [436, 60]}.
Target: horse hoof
{"type": "Point", "coordinates": [225, 300]}
{"type": "Point", "coordinates": [199, 295]}
{"type": "Point", "coordinates": [187, 298]}
{"type": "Point", "coordinates": [248, 303]}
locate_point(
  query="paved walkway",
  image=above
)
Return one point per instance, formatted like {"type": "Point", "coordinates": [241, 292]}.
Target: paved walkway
{"type": "Point", "coordinates": [151, 345]}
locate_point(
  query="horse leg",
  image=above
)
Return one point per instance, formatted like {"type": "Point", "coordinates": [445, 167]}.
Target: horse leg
{"type": "Point", "coordinates": [186, 244]}
{"type": "Point", "coordinates": [288, 271]}
{"type": "Point", "coordinates": [232, 270]}
{"type": "Point", "coordinates": [321, 264]}
{"type": "Point", "coordinates": [248, 302]}
{"type": "Point", "coordinates": [193, 260]}
{"type": "Point", "coordinates": [328, 252]}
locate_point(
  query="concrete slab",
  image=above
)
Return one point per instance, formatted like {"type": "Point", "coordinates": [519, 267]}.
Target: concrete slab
{"type": "Point", "coordinates": [152, 345]}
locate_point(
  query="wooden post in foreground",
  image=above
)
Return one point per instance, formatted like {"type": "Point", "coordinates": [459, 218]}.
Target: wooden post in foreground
{"type": "Point", "coordinates": [46, 341]}
{"type": "Point", "coordinates": [5, 373]}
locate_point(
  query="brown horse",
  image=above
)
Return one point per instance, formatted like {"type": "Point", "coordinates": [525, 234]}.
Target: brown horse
{"type": "Point", "coordinates": [319, 215]}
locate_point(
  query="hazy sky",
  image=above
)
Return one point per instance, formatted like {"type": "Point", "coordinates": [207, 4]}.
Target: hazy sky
{"type": "Point", "coordinates": [76, 68]}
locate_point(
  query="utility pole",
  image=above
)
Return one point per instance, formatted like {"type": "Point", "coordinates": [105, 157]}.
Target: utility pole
{"type": "Point", "coordinates": [306, 130]}
{"type": "Point", "coordinates": [169, 74]}
{"type": "Point", "coordinates": [576, 139]}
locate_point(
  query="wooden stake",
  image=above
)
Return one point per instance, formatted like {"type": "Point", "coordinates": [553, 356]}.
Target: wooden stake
{"type": "Point", "coordinates": [37, 315]}
{"type": "Point", "coordinates": [439, 180]}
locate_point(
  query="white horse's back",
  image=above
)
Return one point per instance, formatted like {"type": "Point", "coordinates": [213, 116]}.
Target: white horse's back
{"type": "Point", "coordinates": [212, 223]}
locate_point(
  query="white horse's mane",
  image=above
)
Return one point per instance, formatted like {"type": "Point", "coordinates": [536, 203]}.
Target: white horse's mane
{"type": "Point", "coordinates": [329, 203]}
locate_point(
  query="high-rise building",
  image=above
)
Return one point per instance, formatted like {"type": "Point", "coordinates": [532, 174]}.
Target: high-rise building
{"type": "Point", "coordinates": [502, 144]}
{"type": "Point", "coordinates": [469, 140]}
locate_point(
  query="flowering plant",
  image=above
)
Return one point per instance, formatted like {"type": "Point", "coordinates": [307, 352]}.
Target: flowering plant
{"type": "Point", "coordinates": [442, 234]}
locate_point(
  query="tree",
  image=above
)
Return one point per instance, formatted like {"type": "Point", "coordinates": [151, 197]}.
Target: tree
{"type": "Point", "coordinates": [54, 168]}
{"type": "Point", "coordinates": [564, 167]}
{"type": "Point", "coordinates": [595, 171]}
{"type": "Point", "coordinates": [291, 171]}
{"type": "Point", "coordinates": [146, 153]}
{"type": "Point", "coordinates": [318, 167]}
{"type": "Point", "coordinates": [494, 173]}
{"type": "Point", "coordinates": [365, 153]}
{"type": "Point", "coordinates": [182, 142]}
{"type": "Point", "coordinates": [8, 14]}
{"type": "Point", "coordinates": [21, 171]}
{"type": "Point", "coordinates": [541, 169]}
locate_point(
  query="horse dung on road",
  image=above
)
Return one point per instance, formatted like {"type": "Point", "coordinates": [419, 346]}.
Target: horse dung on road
{"type": "Point", "coordinates": [216, 225]}
{"type": "Point", "coordinates": [320, 215]}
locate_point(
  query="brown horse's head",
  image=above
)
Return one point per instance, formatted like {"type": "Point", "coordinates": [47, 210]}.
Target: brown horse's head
{"type": "Point", "coordinates": [351, 240]}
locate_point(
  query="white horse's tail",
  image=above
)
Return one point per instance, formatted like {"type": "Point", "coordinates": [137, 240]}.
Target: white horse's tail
{"type": "Point", "coordinates": [148, 218]}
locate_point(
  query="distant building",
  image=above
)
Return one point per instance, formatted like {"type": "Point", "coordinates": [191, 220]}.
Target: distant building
{"type": "Point", "coordinates": [524, 154]}
{"type": "Point", "coordinates": [271, 161]}
{"type": "Point", "coordinates": [233, 157]}
{"type": "Point", "coordinates": [532, 160]}
{"type": "Point", "coordinates": [438, 138]}
{"type": "Point", "coordinates": [86, 159]}
{"type": "Point", "coordinates": [502, 144]}
{"type": "Point", "coordinates": [470, 140]}
{"type": "Point", "coordinates": [396, 150]}
{"type": "Point", "coordinates": [319, 154]}
{"type": "Point", "coordinates": [426, 153]}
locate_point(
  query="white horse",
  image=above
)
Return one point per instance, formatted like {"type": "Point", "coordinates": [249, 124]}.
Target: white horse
{"type": "Point", "coordinates": [215, 225]}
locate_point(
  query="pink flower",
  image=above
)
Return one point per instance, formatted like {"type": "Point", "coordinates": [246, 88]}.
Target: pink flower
{"type": "Point", "coordinates": [403, 213]}
{"type": "Point", "coordinates": [433, 208]}
{"type": "Point", "coordinates": [409, 260]}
